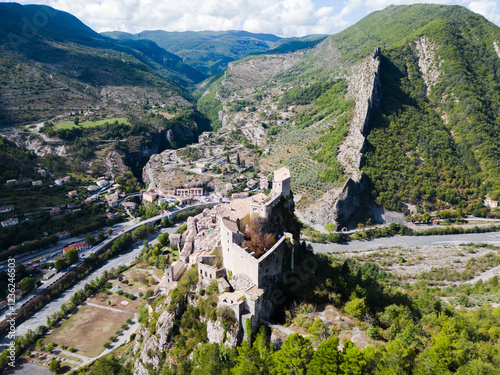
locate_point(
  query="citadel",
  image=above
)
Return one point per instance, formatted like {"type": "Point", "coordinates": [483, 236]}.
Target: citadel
{"type": "Point", "coordinates": [215, 242]}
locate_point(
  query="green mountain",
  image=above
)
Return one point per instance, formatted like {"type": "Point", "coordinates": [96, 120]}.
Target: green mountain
{"type": "Point", "coordinates": [52, 64]}
{"type": "Point", "coordinates": [435, 140]}
{"type": "Point", "coordinates": [401, 109]}
{"type": "Point", "coordinates": [207, 51]}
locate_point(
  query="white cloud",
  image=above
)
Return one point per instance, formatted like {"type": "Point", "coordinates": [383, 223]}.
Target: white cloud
{"type": "Point", "coordinates": [487, 9]}
{"type": "Point", "coordinates": [280, 17]}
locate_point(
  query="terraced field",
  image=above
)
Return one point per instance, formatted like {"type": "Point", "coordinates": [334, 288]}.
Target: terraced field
{"type": "Point", "coordinates": [289, 148]}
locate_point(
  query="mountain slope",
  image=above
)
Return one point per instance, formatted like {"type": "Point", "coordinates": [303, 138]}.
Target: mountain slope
{"type": "Point", "coordinates": [53, 64]}
{"type": "Point", "coordinates": [423, 132]}
{"type": "Point", "coordinates": [207, 51]}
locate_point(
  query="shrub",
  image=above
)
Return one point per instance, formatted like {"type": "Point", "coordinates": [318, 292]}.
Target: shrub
{"type": "Point", "coordinates": [356, 307]}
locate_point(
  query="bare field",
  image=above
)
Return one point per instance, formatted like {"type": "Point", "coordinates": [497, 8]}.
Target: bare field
{"type": "Point", "coordinates": [88, 329]}
{"type": "Point", "coordinates": [117, 302]}
{"type": "Point", "coordinates": [441, 265]}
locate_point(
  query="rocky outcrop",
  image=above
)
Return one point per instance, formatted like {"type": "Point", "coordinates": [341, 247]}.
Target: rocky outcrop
{"type": "Point", "coordinates": [497, 48]}
{"type": "Point", "coordinates": [217, 334]}
{"type": "Point", "coordinates": [337, 205]}
{"type": "Point", "coordinates": [427, 61]}
{"type": "Point", "coordinates": [364, 88]}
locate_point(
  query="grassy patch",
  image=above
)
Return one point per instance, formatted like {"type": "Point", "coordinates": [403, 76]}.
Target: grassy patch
{"type": "Point", "coordinates": [90, 124]}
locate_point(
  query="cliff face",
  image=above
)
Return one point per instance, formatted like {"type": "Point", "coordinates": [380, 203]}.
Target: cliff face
{"type": "Point", "coordinates": [339, 204]}
{"type": "Point", "coordinates": [156, 345]}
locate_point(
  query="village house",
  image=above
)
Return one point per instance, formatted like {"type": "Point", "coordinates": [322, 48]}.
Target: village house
{"type": "Point", "coordinates": [182, 192]}
{"type": "Point", "coordinates": [166, 191]}
{"type": "Point", "coordinates": [10, 222]}
{"type": "Point", "coordinates": [128, 204]}
{"type": "Point", "coordinates": [62, 181]}
{"type": "Point", "coordinates": [92, 187]}
{"type": "Point", "coordinates": [149, 197]}
{"type": "Point", "coordinates": [73, 193]}
{"type": "Point", "coordinates": [490, 203]}
{"type": "Point", "coordinates": [184, 200]}
{"type": "Point", "coordinates": [176, 239]}
{"type": "Point", "coordinates": [196, 192]}
{"type": "Point", "coordinates": [5, 209]}
{"type": "Point", "coordinates": [37, 183]}
{"type": "Point", "coordinates": [112, 199]}
{"type": "Point", "coordinates": [79, 246]}
{"type": "Point", "coordinates": [41, 172]}
{"type": "Point", "coordinates": [92, 199]}
{"type": "Point", "coordinates": [55, 211]}
{"type": "Point", "coordinates": [102, 183]}
{"type": "Point", "coordinates": [10, 182]}
{"type": "Point", "coordinates": [63, 235]}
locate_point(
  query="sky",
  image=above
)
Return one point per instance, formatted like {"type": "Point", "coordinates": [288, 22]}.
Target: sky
{"type": "Point", "coordinates": [285, 18]}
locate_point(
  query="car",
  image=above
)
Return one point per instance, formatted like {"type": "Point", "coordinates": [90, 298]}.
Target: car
{"type": "Point", "coordinates": [122, 230]}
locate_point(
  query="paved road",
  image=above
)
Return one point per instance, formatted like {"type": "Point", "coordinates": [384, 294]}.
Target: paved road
{"type": "Point", "coordinates": [409, 241]}
{"type": "Point", "coordinates": [40, 318]}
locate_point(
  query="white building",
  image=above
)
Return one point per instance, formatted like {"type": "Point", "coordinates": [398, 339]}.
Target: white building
{"type": "Point", "coordinates": [10, 222]}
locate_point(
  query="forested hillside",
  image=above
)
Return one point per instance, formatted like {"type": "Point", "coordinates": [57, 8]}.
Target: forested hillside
{"type": "Point", "coordinates": [430, 141]}
{"type": "Point", "coordinates": [60, 65]}
{"type": "Point", "coordinates": [436, 140]}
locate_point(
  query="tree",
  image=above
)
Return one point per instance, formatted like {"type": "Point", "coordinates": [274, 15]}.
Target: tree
{"type": "Point", "coordinates": [90, 240]}
{"type": "Point", "coordinates": [20, 269]}
{"type": "Point", "coordinates": [109, 231]}
{"type": "Point", "coordinates": [330, 227]}
{"type": "Point", "coordinates": [163, 239]}
{"type": "Point", "coordinates": [71, 255]}
{"type": "Point", "coordinates": [238, 161]}
{"type": "Point", "coordinates": [396, 359]}
{"type": "Point", "coordinates": [109, 366]}
{"type": "Point", "coordinates": [294, 355]}
{"type": "Point", "coordinates": [318, 331]}
{"type": "Point", "coordinates": [353, 360]}
{"type": "Point", "coordinates": [212, 359]}
{"type": "Point", "coordinates": [100, 236]}
{"type": "Point", "coordinates": [27, 284]}
{"type": "Point", "coordinates": [76, 120]}
{"type": "Point", "coordinates": [258, 241]}
{"type": "Point", "coordinates": [256, 359]}
{"type": "Point", "coordinates": [60, 264]}
{"type": "Point", "coordinates": [326, 359]}
{"type": "Point", "coordinates": [426, 217]}
{"type": "Point", "coordinates": [55, 365]}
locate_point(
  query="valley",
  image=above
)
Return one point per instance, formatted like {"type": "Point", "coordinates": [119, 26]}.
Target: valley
{"type": "Point", "coordinates": [227, 202]}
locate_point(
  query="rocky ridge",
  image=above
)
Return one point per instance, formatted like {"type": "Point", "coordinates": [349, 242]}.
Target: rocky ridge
{"type": "Point", "coordinates": [338, 204]}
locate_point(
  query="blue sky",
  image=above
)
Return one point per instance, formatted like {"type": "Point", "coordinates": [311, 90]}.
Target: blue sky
{"type": "Point", "coordinates": [279, 17]}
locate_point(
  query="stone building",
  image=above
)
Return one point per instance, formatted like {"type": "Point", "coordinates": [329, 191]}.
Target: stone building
{"type": "Point", "coordinates": [214, 241]}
